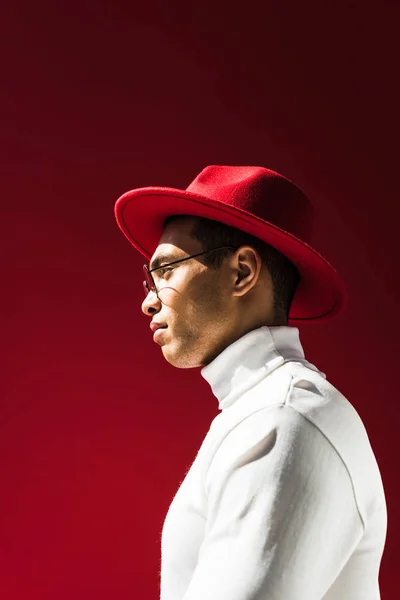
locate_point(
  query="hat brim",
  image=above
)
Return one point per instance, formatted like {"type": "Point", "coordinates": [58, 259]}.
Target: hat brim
{"type": "Point", "coordinates": [141, 213]}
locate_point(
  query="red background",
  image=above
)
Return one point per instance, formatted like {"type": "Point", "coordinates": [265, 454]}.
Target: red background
{"type": "Point", "coordinates": [96, 429]}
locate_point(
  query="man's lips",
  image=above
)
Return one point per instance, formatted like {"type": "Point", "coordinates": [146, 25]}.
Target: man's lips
{"type": "Point", "coordinates": [158, 333]}
{"type": "Point", "coordinates": [154, 326]}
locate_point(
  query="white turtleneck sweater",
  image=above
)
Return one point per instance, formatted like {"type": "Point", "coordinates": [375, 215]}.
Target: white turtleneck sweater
{"type": "Point", "coordinates": [284, 500]}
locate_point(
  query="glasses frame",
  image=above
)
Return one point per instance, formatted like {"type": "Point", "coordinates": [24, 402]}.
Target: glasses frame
{"type": "Point", "coordinates": [149, 272]}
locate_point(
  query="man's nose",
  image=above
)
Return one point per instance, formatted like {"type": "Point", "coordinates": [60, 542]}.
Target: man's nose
{"type": "Point", "coordinates": [151, 303]}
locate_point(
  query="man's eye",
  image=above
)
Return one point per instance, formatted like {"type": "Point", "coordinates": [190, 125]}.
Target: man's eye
{"type": "Point", "coordinates": [164, 269]}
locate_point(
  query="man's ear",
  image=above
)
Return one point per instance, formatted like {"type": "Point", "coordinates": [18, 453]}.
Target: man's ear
{"type": "Point", "coordinates": [246, 263]}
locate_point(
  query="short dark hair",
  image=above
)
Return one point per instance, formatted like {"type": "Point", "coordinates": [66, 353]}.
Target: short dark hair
{"type": "Point", "coordinates": [213, 234]}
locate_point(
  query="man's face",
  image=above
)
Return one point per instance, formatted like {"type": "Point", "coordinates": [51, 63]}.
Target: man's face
{"type": "Point", "coordinates": [195, 302]}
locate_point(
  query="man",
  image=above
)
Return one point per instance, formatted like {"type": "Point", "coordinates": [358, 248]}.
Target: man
{"type": "Point", "coordinates": [284, 500]}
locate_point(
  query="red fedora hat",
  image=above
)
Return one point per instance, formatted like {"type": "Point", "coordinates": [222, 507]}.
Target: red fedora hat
{"type": "Point", "coordinates": [255, 200]}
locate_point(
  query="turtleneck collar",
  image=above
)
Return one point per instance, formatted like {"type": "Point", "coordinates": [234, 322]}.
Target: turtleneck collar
{"type": "Point", "coordinates": [249, 359]}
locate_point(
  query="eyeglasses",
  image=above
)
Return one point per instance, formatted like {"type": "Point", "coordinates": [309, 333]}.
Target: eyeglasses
{"type": "Point", "coordinates": [150, 286]}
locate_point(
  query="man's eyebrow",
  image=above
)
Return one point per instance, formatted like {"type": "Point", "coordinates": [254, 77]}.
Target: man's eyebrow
{"type": "Point", "coordinates": [163, 256]}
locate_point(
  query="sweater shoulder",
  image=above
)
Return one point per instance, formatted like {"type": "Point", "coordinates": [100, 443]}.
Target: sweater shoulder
{"type": "Point", "coordinates": [299, 402]}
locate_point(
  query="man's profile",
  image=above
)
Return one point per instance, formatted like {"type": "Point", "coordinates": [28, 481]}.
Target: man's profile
{"type": "Point", "coordinates": [284, 500]}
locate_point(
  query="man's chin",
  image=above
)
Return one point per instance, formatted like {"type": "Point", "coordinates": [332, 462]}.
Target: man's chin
{"type": "Point", "coordinates": [179, 361]}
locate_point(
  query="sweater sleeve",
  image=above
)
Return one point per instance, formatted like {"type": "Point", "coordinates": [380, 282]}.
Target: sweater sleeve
{"type": "Point", "coordinates": [282, 519]}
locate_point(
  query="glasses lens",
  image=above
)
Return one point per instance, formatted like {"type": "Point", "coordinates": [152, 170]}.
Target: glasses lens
{"type": "Point", "coordinates": [148, 283]}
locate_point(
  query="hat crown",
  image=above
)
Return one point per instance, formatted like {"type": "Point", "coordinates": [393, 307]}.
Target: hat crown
{"type": "Point", "coordinates": [264, 193]}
